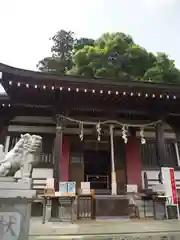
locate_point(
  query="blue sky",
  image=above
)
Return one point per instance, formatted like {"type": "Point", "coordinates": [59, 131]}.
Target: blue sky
{"type": "Point", "coordinates": [27, 25]}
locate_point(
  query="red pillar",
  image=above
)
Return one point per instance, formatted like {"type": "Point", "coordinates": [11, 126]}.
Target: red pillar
{"type": "Point", "coordinates": [64, 161]}
{"type": "Point", "coordinates": [133, 161]}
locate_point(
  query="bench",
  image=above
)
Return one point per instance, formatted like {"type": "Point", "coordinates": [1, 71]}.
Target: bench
{"type": "Point", "coordinates": [152, 179]}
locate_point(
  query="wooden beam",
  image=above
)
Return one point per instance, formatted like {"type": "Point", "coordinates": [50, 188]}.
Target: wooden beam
{"type": "Point", "coordinates": [6, 115]}
{"type": "Point", "coordinates": [56, 169]}
{"type": "Point", "coordinates": [100, 108]}
{"type": "Point", "coordinates": [160, 146]}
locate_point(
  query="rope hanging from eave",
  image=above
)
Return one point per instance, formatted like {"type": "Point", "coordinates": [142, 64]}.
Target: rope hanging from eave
{"type": "Point", "coordinates": [114, 122]}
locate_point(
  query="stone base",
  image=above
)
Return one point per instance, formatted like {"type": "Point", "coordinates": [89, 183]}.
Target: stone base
{"type": "Point", "coordinates": [17, 217]}
{"type": "Point", "coordinates": [7, 179]}
{"type": "Point", "coordinates": [15, 208]}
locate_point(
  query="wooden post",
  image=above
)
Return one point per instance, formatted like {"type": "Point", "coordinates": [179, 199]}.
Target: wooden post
{"type": "Point", "coordinates": [56, 169]}
{"type": "Point", "coordinates": [57, 156]}
{"type": "Point", "coordinates": [3, 133]}
{"type": "Point", "coordinates": [160, 146]}
{"type": "Point", "coordinates": [113, 172]}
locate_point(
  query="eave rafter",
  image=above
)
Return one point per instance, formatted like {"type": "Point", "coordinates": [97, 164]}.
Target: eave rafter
{"type": "Point", "coordinates": [30, 79]}
{"type": "Point", "coordinates": [95, 89]}
{"type": "Point", "coordinates": [69, 94]}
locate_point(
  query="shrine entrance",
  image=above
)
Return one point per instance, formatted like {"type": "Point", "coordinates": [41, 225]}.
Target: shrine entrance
{"type": "Point", "coordinates": [97, 168]}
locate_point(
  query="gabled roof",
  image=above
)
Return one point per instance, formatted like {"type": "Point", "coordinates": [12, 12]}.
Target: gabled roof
{"type": "Point", "coordinates": [42, 78]}
{"type": "Point", "coordinates": [32, 88]}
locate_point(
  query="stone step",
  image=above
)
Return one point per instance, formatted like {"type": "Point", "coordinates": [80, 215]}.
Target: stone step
{"type": "Point", "coordinates": [152, 236]}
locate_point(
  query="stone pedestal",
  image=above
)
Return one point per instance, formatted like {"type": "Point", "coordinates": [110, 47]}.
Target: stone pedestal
{"type": "Point", "coordinates": [15, 208]}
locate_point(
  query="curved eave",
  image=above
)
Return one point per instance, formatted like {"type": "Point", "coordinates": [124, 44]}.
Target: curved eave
{"type": "Point", "coordinates": [4, 98]}
{"type": "Point", "coordinates": [42, 78]}
{"type": "Point", "coordinates": [4, 101]}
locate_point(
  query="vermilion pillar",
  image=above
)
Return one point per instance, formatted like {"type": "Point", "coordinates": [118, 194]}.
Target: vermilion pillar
{"type": "Point", "coordinates": [133, 161]}
{"type": "Point", "coordinates": [64, 160]}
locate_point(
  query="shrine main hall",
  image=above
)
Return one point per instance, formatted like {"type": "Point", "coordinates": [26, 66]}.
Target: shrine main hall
{"type": "Point", "coordinates": [106, 132]}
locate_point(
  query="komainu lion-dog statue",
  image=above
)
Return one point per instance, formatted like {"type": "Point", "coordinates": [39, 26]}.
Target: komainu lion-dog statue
{"type": "Point", "coordinates": [24, 155]}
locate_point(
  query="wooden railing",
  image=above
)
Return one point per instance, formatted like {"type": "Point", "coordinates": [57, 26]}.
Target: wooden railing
{"type": "Point", "coordinates": [46, 158]}
{"type": "Point", "coordinates": [149, 156]}
{"type": "Point", "coordinates": [85, 207]}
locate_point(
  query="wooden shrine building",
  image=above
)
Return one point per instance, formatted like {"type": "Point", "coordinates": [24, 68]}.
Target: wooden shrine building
{"type": "Point", "coordinates": [98, 130]}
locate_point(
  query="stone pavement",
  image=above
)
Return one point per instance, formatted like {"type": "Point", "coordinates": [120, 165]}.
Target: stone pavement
{"type": "Point", "coordinates": [106, 229]}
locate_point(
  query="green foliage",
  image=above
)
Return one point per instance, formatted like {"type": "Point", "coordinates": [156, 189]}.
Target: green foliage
{"type": "Point", "coordinates": [52, 65]}
{"type": "Point", "coordinates": [62, 50]}
{"type": "Point", "coordinates": [113, 55]}
{"type": "Point", "coordinates": [82, 42]}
